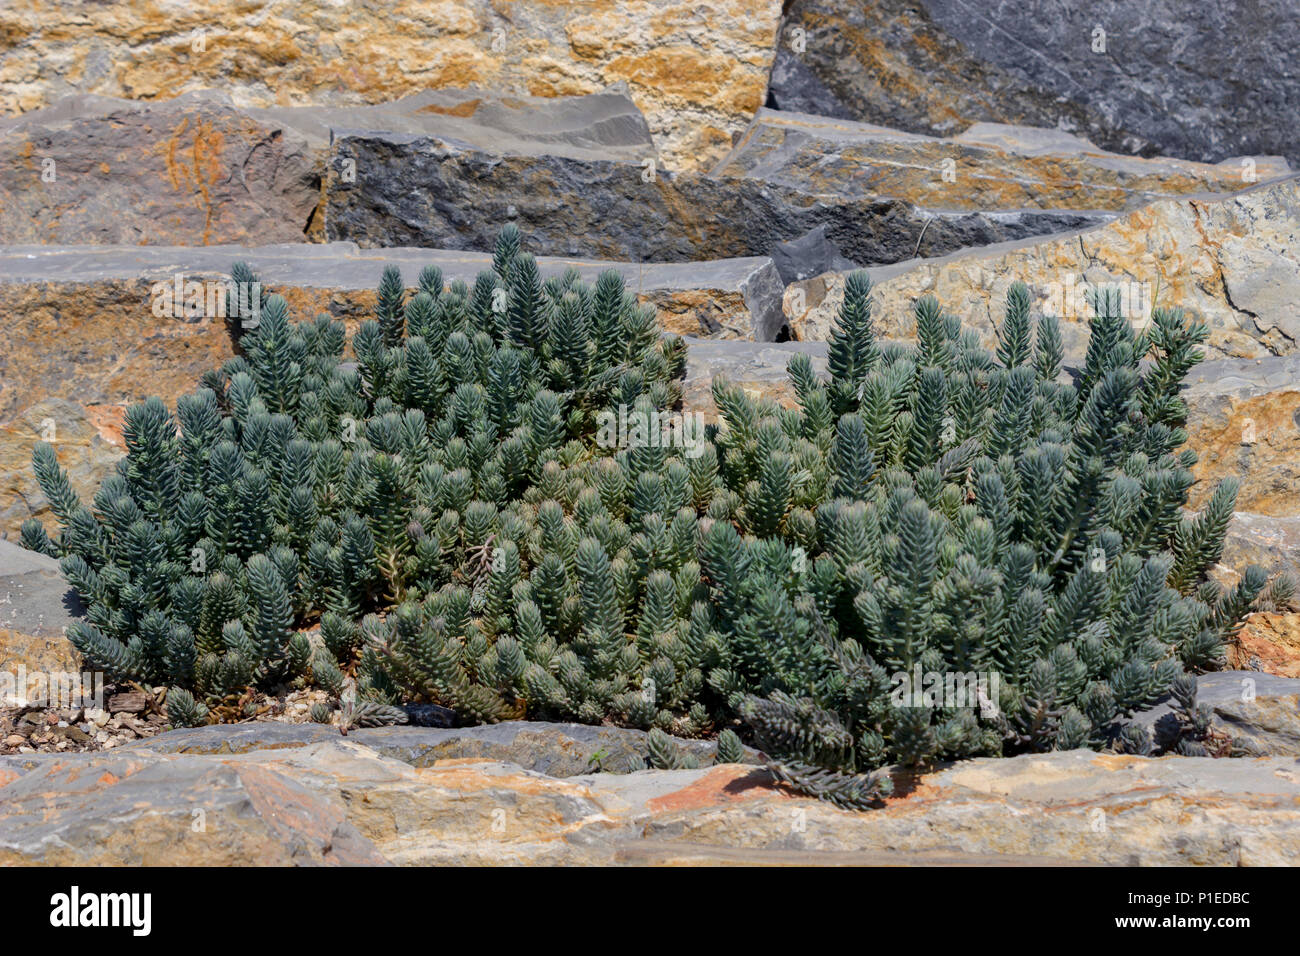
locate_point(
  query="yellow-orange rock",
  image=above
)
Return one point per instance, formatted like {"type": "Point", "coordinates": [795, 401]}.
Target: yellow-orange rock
{"type": "Point", "coordinates": [1228, 261]}
{"type": "Point", "coordinates": [86, 439]}
{"type": "Point", "coordinates": [697, 70]}
{"type": "Point", "coordinates": [1270, 642]}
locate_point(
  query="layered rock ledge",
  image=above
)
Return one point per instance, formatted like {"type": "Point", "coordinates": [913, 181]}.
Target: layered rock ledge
{"type": "Point", "coordinates": [697, 73]}
{"type": "Point", "coordinates": [581, 175]}
{"type": "Point", "coordinates": [988, 166]}
{"type": "Point", "coordinates": [188, 799]}
{"type": "Point", "coordinates": [1229, 261]}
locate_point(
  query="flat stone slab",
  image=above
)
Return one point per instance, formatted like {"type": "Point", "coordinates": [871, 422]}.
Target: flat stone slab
{"type": "Point", "coordinates": [190, 171]}
{"type": "Point", "coordinates": [139, 811]}
{"type": "Point", "coordinates": [557, 750]}
{"type": "Point", "coordinates": [989, 166]}
{"type": "Point", "coordinates": [344, 802]}
{"type": "Point", "coordinates": [594, 126]}
{"type": "Point", "coordinates": [1247, 704]}
{"type": "Point", "coordinates": [733, 298]}
{"type": "Point", "coordinates": [199, 170]}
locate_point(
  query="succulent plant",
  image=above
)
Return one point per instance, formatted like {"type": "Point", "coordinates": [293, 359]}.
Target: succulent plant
{"type": "Point", "coordinates": [453, 514]}
{"type": "Point", "coordinates": [993, 559]}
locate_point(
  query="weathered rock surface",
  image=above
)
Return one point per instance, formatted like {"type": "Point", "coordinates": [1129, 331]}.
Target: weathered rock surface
{"type": "Point", "coordinates": [188, 171]}
{"type": "Point", "coordinates": [140, 811]}
{"type": "Point", "coordinates": [809, 255]}
{"type": "Point", "coordinates": [557, 750]}
{"type": "Point", "coordinates": [1270, 541]}
{"type": "Point", "coordinates": [36, 604]}
{"type": "Point", "coordinates": [989, 166]}
{"type": "Point", "coordinates": [1161, 77]}
{"type": "Point", "coordinates": [1259, 707]}
{"type": "Point", "coordinates": [1228, 261]}
{"type": "Point", "coordinates": [62, 293]}
{"type": "Point", "coordinates": [596, 125]}
{"type": "Point", "coordinates": [87, 444]}
{"type": "Point", "coordinates": [341, 801]}
{"type": "Point", "coordinates": [757, 367]}
{"type": "Point", "coordinates": [422, 190]}
{"type": "Point", "coordinates": [1244, 420]}
{"type": "Point", "coordinates": [697, 72]}
{"type": "Point", "coordinates": [1268, 641]}
{"type": "Point", "coordinates": [196, 170]}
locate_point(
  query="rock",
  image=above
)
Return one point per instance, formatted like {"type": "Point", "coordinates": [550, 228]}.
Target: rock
{"type": "Point", "coordinates": [697, 73]}
{"type": "Point", "coordinates": [132, 702]}
{"type": "Point", "coordinates": [809, 255]}
{"type": "Point", "coordinates": [989, 166]}
{"type": "Point", "coordinates": [724, 298]}
{"type": "Point", "coordinates": [1160, 77]}
{"type": "Point", "coordinates": [87, 443]}
{"type": "Point", "coordinates": [342, 801]}
{"type": "Point", "coordinates": [1244, 421]}
{"type": "Point", "coordinates": [189, 171]}
{"type": "Point", "coordinates": [197, 170]}
{"type": "Point", "coordinates": [1269, 642]}
{"type": "Point", "coordinates": [392, 188]}
{"type": "Point", "coordinates": [430, 715]}
{"type": "Point", "coordinates": [36, 606]}
{"type": "Point", "coordinates": [557, 750]}
{"type": "Point", "coordinates": [1247, 704]}
{"type": "Point", "coordinates": [600, 125]}
{"type": "Point", "coordinates": [759, 368]}
{"type": "Point", "coordinates": [1227, 261]}
{"type": "Point", "coordinates": [1269, 541]}
{"type": "Point", "coordinates": [132, 810]}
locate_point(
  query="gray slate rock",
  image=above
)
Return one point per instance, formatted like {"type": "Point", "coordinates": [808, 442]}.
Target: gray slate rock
{"type": "Point", "coordinates": [596, 126]}
{"type": "Point", "coordinates": [418, 190]}
{"type": "Point", "coordinates": [557, 750]}
{"type": "Point", "coordinates": [190, 810]}
{"type": "Point", "coordinates": [198, 170]}
{"type": "Point", "coordinates": [1259, 707]}
{"type": "Point", "coordinates": [1202, 81]}
{"type": "Point", "coordinates": [809, 255]}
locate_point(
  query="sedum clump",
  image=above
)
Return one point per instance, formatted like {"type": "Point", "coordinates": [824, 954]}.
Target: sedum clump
{"type": "Point", "coordinates": [972, 516]}
{"type": "Point", "coordinates": [439, 507]}
{"type": "Point", "coordinates": [442, 516]}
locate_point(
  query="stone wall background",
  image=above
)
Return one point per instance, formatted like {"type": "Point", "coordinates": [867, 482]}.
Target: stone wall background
{"type": "Point", "coordinates": [697, 70]}
{"type": "Point", "coordinates": [734, 158]}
